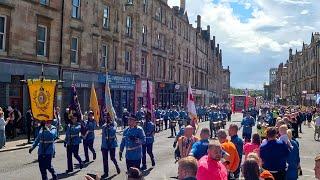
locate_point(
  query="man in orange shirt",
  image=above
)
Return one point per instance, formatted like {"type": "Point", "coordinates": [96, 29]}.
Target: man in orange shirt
{"type": "Point", "coordinates": [233, 161]}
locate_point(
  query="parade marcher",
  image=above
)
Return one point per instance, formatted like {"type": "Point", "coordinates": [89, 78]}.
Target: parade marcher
{"type": "Point", "coordinates": [238, 142]}
{"type": "Point", "coordinates": [186, 141]}
{"type": "Point", "coordinates": [29, 120]}
{"type": "Point", "coordinates": [183, 118]}
{"type": "Point", "coordinates": [125, 116]}
{"type": "Point", "coordinates": [174, 115]}
{"type": "Point", "coordinates": [200, 148]}
{"type": "Point", "coordinates": [46, 150]}
{"type": "Point", "coordinates": [294, 124]}
{"type": "Point", "coordinates": [293, 158]}
{"type": "Point", "coordinates": [301, 118]}
{"type": "Point", "coordinates": [247, 124]}
{"type": "Point", "coordinates": [210, 166]}
{"type": "Point", "coordinates": [187, 168]}
{"type": "Point", "coordinates": [149, 130]}
{"type": "Point", "coordinates": [88, 138]}
{"type": "Point", "coordinates": [180, 133]}
{"type": "Point", "coordinates": [166, 118]}
{"type": "Point", "coordinates": [229, 114]}
{"type": "Point", "coordinates": [213, 118]}
{"type": "Point", "coordinates": [317, 126]}
{"type": "Point", "coordinates": [109, 145]}
{"type": "Point", "coordinates": [57, 119]}
{"type": "Point", "coordinates": [72, 141]}
{"type": "Point", "coordinates": [3, 124]}
{"type": "Point", "coordinates": [133, 139]}
{"type": "Point", "coordinates": [66, 117]}
{"type": "Point", "coordinates": [274, 155]}
{"type": "Point", "coordinates": [233, 161]}
{"type": "Point", "coordinates": [309, 118]}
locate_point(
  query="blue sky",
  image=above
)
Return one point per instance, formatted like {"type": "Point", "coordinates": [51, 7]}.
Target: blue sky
{"type": "Point", "coordinates": [256, 35]}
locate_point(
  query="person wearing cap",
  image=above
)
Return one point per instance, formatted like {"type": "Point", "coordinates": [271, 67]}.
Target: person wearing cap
{"type": "Point", "coordinates": [174, 115]}
{"type": "Point", "coordinates": [46, 150]}
{"type": "Point", "coordinates": [213, 117]}
{"type": "Point", "coordinates": [72, 142]}
{"type": "Point", "coordinates": [109, 144]}
{"type": "Point", "coordinates": [247, 124]}
{"type": "Point", "coordinates": [132, 140]}
{"type": "Point", "coordinates": [125, 116]}
{"type": "Point", "coordinates": [149, 129]}
{"type": "Point", "coordinates": [88, 138]}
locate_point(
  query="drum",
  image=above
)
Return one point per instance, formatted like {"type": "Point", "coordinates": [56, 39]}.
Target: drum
{"type": "Point", "coordinates": [215, 125]}
{"type": "Point", "coordinates": [173, 123]}
{"type": "Point", "coordinates": [220, 125]}
{"type": "Point", "coordinates": [157, 122]}
{"type": "Point", "coordinates": [180, 122]}
{"type": "Point", "coordinates": [224, 122]}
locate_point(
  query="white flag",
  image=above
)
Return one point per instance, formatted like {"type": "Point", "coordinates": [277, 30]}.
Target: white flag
{"type": "Point", "coordinates": [192, 108]}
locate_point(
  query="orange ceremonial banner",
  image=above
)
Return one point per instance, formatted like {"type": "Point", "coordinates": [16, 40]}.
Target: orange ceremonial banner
{"type": "Point", "coordinates": [42, 98]}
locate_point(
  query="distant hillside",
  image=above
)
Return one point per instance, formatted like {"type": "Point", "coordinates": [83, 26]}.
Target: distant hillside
{"type": "Point", "coordinates": [252, 92]}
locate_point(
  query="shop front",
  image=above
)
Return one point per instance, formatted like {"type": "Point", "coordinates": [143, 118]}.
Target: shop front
{"type": "Point", "coordinates": [199, 97]}
{"type": "Point", "coordinates": [13, 91]}
{"type": "Point", "coordinates": [181, 93]}
{"type": "Point", "coordinates": [165, 95]}
{"type": "Point", "coordinates": [83, 82]}
{"type": "Point", "coordinates": [122, 89]}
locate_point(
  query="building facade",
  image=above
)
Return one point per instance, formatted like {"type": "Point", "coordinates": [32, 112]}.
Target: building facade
{"type": "Point", "coordinates": [80, 41]}
{"type": "Point", "coordinates": [300, 74]}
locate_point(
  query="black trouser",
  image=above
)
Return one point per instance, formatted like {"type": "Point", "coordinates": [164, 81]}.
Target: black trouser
{"type": "Point", "coordinates": [44, 165]}
{"type": "Point", "coordinates": [166, 124]}
{"type": "Point", "coordinates": [88, 144]}
{"type": "Point", "coordinates": [280, 175]}
{"type": "Point", "coordinates": [133, 163]}
{"type": "Point", "coordinates": [73, 149]}
{"type": "Point", "coordinates": [29, 133]}
{"type": "Point", "coordinates": [300, 127]}
{"type": "Point", "coordinates": [295, 128]}
{"type": "Point", "coordinates": [112, 153]}
{"type": "Point", "coordinates": [10, 130]}
{"type": "Point", "coordinates": [173, 130]}
{"type": "Point", "coordinates": [147, 148]}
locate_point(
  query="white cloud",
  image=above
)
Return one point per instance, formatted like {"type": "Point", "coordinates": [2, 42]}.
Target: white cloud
{"type": "Point", "coordinates": [304, 12]}
{"type": "Point", "coordinates": [263, 39]}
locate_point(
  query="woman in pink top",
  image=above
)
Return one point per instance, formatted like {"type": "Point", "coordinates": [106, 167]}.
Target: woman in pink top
{"type": "Point", "coordinates": [253, 146]}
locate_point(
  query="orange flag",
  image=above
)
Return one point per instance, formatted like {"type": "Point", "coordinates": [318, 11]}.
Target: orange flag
{"type": "Point", "coordinates": [94, 106]}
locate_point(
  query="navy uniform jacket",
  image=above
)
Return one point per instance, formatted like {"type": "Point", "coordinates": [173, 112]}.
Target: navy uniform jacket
{"type": "Point", "coordinates": [149, 130]}
{"type": "Point", "coordinates": [72, 134]}
{"type": "Point", "coordinates": [183, 115]}
{"type": "Point", "coordinates": [166, 115]}
{"type": "Point", "coordinates": [199, 149]}
{"type": "Point", "coordinates": [213, 116]}
{"type": "Point", "coordinates": [132, 140]}
{"type": "Point", "coordinates": [158, 114]}
{"type": "Point", "coordinates": [90, 126]}
{"type": "Point", "coordinates": [46, 139]}
{"type": "Point", "coordinates": [109, 138]}
{"type": "Point", "coordinates": [174, 114]}
{"type": "Point", "coordinates": [140, 115]}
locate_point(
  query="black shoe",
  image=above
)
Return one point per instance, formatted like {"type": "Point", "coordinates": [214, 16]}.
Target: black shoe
{"type": "Point", "coordinates": [94, 156]}
{"type": "Point", "coordinates": [144, 167]}
{"type": "Point", "coordinates": [86, 161]}
{"type": "Point", "coordinates": [68, 171]}
{"type": "Point", "coordinates": [81, 165]}
{"type": "Point", "coordinates": [105, 176]}
{"type": "Point", "coordinates": [118, 170]}
{"type": "Point", "coordinates": [153, 163]}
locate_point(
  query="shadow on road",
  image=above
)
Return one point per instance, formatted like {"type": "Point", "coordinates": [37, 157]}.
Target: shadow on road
{"type": "Point", "coordinates": [67, 175]}
{"type": "Point", "coordinates": [33, 162]}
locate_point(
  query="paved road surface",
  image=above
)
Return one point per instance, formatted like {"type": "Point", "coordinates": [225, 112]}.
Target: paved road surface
{"type": "Point", "coordinates": [21, 165]}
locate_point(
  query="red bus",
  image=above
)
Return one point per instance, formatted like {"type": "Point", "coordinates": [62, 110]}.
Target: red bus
{"type": "Point", "coordinates": [242, 102]}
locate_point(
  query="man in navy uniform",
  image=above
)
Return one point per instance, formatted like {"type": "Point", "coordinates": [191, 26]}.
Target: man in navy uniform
{"type": "Point", "coordinates": [72, 141]}
{"type": "Point", "coordinates": [149, 129]}
{"type": "Point", "coordinates": [45, 139]}
{"type": "Point", "coordinates": [166, 118]}
{"type": "Point", "coordinates": [174, 115]}
{"type": "Point", "coordinates": [213, 117]}
{"type": "Point", "coordinates": [133, 139]}
{"type": "Point", "coordinates": [109, 145]}
{"type": "Point", "coordinates": [88, 138]}
{"type": "Point", "coordinates": [247, 124]}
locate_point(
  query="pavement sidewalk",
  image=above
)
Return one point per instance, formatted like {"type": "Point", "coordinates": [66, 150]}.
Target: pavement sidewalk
{"type": "Point", "coordinates": [22, 143]}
